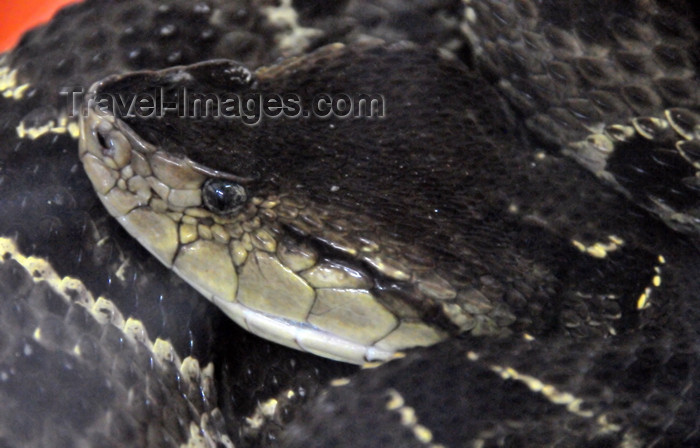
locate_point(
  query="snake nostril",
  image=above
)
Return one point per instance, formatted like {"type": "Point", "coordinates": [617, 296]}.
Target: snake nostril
{"type": "Point", "coordinates": [102, 140]}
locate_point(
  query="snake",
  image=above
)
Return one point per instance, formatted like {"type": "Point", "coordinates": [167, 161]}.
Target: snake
{"type": "Point", "coordinates": [507, 246]}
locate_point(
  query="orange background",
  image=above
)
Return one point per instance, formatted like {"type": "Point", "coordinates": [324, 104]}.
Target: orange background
{"type": "Point", "coordinates": [17, 17]}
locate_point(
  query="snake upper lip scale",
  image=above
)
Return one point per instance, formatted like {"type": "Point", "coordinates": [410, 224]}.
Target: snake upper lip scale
{"type": "Point", "coordinates": [516, 234]}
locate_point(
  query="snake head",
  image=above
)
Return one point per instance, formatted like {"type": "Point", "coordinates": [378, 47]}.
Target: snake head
{"type": "Point", "coordinates": [325, 233]}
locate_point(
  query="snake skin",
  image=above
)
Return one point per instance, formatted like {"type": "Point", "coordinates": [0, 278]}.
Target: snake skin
{"type": "Point", "coordinates": [585, 370]}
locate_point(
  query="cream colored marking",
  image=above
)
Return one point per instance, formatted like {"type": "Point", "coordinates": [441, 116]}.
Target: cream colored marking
{"type": "Point", "coordinates": [8, 84]}
{"type": "Point", "coordinates": [372, 365]}
{"type": "Point", "coordinates": [381, 360]}
{"type": "Point", "coordinates": [72, 290]}
{"type": "Point", "coordinates": [17, 93]}
{"type": "Point", "coordinates": [164, 351]}
{"type": "Point", "coordinates": [296, 38]}
{"type": "Point", "coordinates": [155, 231]}
{"type": "Point", "coordinates": [644, 300]}
{"type": "Point", "coordinates": [407, 414]}
{"type": "Point", "coordinates": [600, 250]}
{"type": "Point", "coordinates": [189, 369]}
{"type": "Point", "coordinates": [135, 329]}
{"type": "Point", "coordinates": [37, 334]}
{"type": "Point", "coordinates": [689, 127]}
{"type": "Point", "coordinates": [470, 15]}
{"type": "Point", "coordinates": [106, 312]}
{"type": "Point", "coordinates": [606, 426]}
{"type": "Point", "coordinates": [554, 395]}
{"type": "Point", "coordinates": [338, 382]}
{"type": "Point", "coordinates": [683, 147]}
{"type": "Point", "coordinates": [73, 129]}
{"type": "Point", "coordinates": [352, 313]}
{"type": "Point", "coordinates": [262, 413]}
{"type": "Point", "coordinates": [62, 125]}
{"type": "Point", "coordinates": [620, 132]}
{"type": "Point", "coordinates": [369, 247]}
{"type": "Point", "coordinates": [269, 407]}
{"type": "Point", "coordinates": [645, 126]}
{"type": "Point", "coordinates": [601, 143]}
{"type": "Point", "coordinates": [268, 286]}
{"type": "Point", "coordinates": [208, 268]}
{"type": "Point", "coordinates": [201, 436]}
{"type": "Point", "coordinates": [8, 78]}
{"type": "Point", "coordinates": [195, 439]}
{"type": "Point", "coordinates": [33, 133]}
{"type": "Point", "coordinates": [395, 402]}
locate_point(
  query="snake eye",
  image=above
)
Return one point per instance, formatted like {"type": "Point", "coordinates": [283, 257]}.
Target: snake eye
{"type": "Point", "coordinates": [223, 196]}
